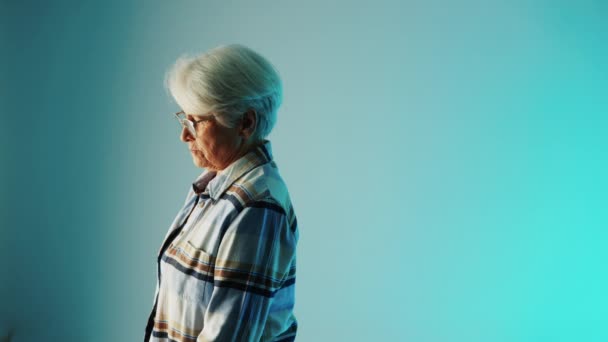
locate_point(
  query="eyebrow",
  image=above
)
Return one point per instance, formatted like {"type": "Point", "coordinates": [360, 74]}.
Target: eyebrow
{"type": "Point", "coordinates": [196, 117]}
{"type": "Point", "coordinates": [190, 117]}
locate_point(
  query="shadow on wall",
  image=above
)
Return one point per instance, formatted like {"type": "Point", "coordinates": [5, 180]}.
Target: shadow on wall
{"type": "Point", "coordinates": [9, 336]}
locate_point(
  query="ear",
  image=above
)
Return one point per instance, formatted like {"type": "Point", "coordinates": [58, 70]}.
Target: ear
{"type": "Point", "coordinates": [248, 124]}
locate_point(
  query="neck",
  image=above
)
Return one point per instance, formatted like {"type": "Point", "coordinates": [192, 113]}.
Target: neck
{"type": "Point", "coordinates": [240, 152]}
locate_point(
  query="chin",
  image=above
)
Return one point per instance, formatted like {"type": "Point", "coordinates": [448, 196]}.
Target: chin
{"type": "Point", "coordinates": [203, 164]}
{"type": "Point", "coordinates": [198, 162]}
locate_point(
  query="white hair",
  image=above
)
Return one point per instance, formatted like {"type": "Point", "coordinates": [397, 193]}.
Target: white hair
{"type": "Point", "coordinates": [227, 81]}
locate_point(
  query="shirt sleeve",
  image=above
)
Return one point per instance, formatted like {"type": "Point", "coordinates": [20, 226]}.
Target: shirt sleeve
{"type": "Point", "coordinates": [253, 262]}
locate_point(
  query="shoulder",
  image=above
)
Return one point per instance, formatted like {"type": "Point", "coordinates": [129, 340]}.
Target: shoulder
{"type": "Point", "coordinates": [262, 184]}
{"type": "Point", "coordinates": [262, 187]}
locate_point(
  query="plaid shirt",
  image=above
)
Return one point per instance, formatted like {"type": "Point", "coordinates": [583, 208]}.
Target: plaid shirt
{"type": "Point", "coordinates": [226, 269]}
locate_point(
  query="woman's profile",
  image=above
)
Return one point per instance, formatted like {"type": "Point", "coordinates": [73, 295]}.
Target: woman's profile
{"type": "Point", "coordinates": [227, 266]}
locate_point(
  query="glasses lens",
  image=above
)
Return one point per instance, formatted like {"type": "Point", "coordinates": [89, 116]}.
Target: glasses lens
{"type": "Point", "coordinates": [190, 127]}
{"type": "Point", "coordinates": [181, 117]}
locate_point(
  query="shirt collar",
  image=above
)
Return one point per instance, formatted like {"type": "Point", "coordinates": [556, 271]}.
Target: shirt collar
{"type": "Point", "coordinates": [216, 183]}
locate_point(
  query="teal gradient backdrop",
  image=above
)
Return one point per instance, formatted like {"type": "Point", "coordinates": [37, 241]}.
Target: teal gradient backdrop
{"type": "Point", "coordinates": [446, 159]}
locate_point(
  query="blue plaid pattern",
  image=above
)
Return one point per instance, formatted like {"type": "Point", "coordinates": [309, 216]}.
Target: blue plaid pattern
{"type": "Point", "coordinates": [227, 266]}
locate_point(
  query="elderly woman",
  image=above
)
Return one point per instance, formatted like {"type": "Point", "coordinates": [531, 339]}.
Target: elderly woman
{"type": "Point", "coordinates": [226, 269]}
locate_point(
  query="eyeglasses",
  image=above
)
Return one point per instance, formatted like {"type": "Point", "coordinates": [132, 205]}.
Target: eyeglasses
{"type": "Point", "coordinates": [189, 124]}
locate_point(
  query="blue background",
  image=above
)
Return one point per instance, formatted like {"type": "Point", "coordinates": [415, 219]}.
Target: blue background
{"type": "Point", "coordinates": [446, 159]}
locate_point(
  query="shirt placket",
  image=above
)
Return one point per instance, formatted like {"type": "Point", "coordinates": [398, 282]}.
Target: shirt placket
{"type": "Point", "coordinates": [172, 236]}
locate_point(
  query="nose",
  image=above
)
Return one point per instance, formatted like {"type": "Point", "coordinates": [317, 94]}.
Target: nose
{"type": "Point", "coordinates": [186, 136]}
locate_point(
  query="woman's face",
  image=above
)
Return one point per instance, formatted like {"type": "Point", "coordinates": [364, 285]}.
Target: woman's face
{"type": "Point", "coordinates": [214, 146]}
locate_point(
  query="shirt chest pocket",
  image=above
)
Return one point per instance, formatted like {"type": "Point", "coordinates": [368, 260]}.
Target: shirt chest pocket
{"type": "Point", "coordinates": [191, 272]}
